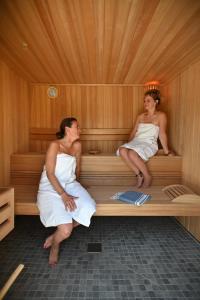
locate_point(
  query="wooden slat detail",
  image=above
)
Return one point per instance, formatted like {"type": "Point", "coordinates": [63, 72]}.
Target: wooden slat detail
{"type": "Point", "coordinates": [106, 114]}
{"type": "Point", "coordinates": [184, 98]}
{"type": "Point", "coordinates": [84, 131]}
{"type": "Point", "coordinates": [96, 170]}
{"type": "Point", "coordinates": [94, 134]}
{"type": "Point", "coordinates": [102, 41]}
{"type": "Point", "coordinates": [83, 137]}
{"type": "Point", "coordinates": [159, 205]}
{"type": "Point", "coordinates": [14, 119]}
{"type": "Point", "coordinates": [6, 211]}
{"type": "Point", "coordinates": [33, 162]}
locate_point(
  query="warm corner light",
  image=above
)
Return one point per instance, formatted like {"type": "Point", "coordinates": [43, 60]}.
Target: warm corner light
{"type": "Point", "coordinates": [150, 85]}
{"type": "Point", "coordinates": [52, 92]}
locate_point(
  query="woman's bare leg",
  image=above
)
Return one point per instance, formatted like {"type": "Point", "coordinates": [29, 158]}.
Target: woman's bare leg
{"type": "Point", "coordinates": [124, 153]}
{"type": "Point", "coordinates": [49, 240]}
{"type": "Point", "coordinates": [134, 157]}
{"type": "Point", "coordinates": [63, 232]}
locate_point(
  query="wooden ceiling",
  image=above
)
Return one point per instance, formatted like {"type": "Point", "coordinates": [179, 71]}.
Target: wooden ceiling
{"type": "Point", "coordinates": [99, 41]}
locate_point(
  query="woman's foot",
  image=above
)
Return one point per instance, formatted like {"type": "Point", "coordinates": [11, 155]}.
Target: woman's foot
{"type": "Point", "coordinates": [147, 181]}
{"type": "Point", "coordinates": [140, 179]}
{"type": "Point", "coordinates": [53, 256]}
{"type": "Point", "coordinates": [48, 242]}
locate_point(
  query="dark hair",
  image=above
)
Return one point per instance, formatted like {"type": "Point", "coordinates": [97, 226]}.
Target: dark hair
{"type": "Point", "coordinates": [67, 122]}
{"type": "Point", "coordinates": [155, 94]}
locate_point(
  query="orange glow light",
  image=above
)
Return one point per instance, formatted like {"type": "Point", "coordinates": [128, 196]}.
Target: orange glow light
{"type": "Point", "coordinates": [152, 85]}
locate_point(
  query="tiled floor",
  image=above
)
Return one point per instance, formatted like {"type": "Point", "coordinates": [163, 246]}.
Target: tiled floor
{"type": "Point", "coordinates": [142, 258]}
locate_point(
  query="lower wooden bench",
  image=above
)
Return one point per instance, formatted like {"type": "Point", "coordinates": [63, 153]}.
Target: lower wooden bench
{"type": "Point", "coordinates": [173, 200]}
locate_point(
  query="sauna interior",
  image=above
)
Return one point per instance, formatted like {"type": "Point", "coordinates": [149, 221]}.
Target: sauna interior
{"type": "Point", "coordinates": [91, 60]}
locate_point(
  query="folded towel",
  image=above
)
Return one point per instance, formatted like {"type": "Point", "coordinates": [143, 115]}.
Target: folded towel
{"type": "Point", "coordinates": [136, 198]}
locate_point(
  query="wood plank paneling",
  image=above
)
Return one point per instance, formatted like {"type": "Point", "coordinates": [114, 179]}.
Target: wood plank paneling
{"type": "Point", "coordinates": [6, 211]}
{"type": "Point", "coordinates": [99, 41]}
{"type": "Point", "coordinates": [175, 112]}
{"type": "Point", "coordinates": [95, 106]}
{"type": "Point", "coordinates": [184, 111]}
{"type": "Point", "coordinates": [14, 119]}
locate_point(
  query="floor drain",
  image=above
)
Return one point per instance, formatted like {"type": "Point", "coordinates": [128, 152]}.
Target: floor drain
{"type": "Point", "coordinates": [94, 248]}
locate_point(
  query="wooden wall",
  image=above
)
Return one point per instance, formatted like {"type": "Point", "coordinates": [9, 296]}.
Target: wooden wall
{"type": "Point", "coordinates": [95, 106]}
{"type": "Point", "coordinates": [183, 94]}
{"type": "Point", "coordinates": [14, 119]}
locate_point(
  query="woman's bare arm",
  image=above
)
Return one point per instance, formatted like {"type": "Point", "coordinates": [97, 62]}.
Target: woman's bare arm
{"type": "Point", "coordinates": [50, 164]}
{"type": "Point", "coordinates": [77, 150]}
{"type": "Point", "coordinates": [163, 133]}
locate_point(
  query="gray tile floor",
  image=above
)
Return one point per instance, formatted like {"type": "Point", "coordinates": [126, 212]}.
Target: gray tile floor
{"type": "Point", "coordinates": [142, 258]}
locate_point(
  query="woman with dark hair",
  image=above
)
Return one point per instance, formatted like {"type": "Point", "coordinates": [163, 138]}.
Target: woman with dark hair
{"type": "Point", "coordinates": [142, 142]}
{"type": "Point", "coordinates": [61, 200]}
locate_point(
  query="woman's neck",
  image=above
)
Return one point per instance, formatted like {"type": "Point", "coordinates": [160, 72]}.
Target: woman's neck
{"type": "Point", "coordinates": [151, 112]}
{"type": "Point", "coordinates": [67, 142]}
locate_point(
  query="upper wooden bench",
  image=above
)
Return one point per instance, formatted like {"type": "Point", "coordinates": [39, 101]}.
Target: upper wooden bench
{"type": "Point", "coordinates": [101, 169]}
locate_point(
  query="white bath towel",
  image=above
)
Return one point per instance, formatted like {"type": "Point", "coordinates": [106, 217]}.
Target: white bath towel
{"type": "Point", "coordinates": [50, 204]}
{"type": "Point", "coordinates": [145, 141]}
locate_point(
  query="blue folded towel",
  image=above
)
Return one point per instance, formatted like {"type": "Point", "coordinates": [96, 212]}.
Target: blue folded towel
{"type": "Point", "coordinates": [136, 198]}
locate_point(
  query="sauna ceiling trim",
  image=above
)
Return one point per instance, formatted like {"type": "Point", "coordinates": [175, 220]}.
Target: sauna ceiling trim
{"type": "Point", "coordinates": [99, 41]}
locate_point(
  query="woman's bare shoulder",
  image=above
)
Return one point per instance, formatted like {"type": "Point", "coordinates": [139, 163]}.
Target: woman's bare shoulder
{"type": "Point", "coordinates": [54, 146]}
{"type": "Point", "coordinates": [77, 146]}
{"type": "Point", "coordinates": [161, 114]}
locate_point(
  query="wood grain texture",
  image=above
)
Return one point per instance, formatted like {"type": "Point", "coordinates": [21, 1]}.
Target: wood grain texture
{"type": "Point", "coordinates": [99, 41]}
{"type": "Point", "coordinates": [100, 173]}
{"type": "Point", "coordinates": [99, 107]}
{"type": "Point", "coordinates": [184, 111]}
{"type": "Point", "coordinates": [105, 163]}
{"type": "Point", "coordinates": [14, 119]}
{"type": "Point", "coordinates": [159, 205]}
{"type": "Point", "coordinates": [6, 211]}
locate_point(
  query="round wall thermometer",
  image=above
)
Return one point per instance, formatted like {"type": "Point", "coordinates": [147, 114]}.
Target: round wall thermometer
{"type": "Point", "coordinates": [52, 92]}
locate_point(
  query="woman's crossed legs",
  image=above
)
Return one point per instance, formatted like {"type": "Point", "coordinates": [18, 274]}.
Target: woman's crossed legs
{"type": "Point", "coordinates": [62, 232]}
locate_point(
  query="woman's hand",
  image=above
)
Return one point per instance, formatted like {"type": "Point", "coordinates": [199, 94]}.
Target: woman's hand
{"type": "Point", "coordinates": [170, 153]}
{"type": "Point", "coordinates": [69, 201]}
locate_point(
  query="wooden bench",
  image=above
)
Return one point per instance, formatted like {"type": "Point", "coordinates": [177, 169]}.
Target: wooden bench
{"type": "Point", "coordinates": [6, 211]}
{"type": "Point", "coordinates": [101, 169]}
{"type": "Point", "coordinates": [161, 204]}
{"type": "Point", "coordinates": [104, 175]}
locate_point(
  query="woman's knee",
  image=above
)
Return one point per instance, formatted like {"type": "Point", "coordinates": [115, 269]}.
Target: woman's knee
{"type": "Point", "coordinates": [123, 151]}
{"type": "Point", "coordinates": [65, 230]}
